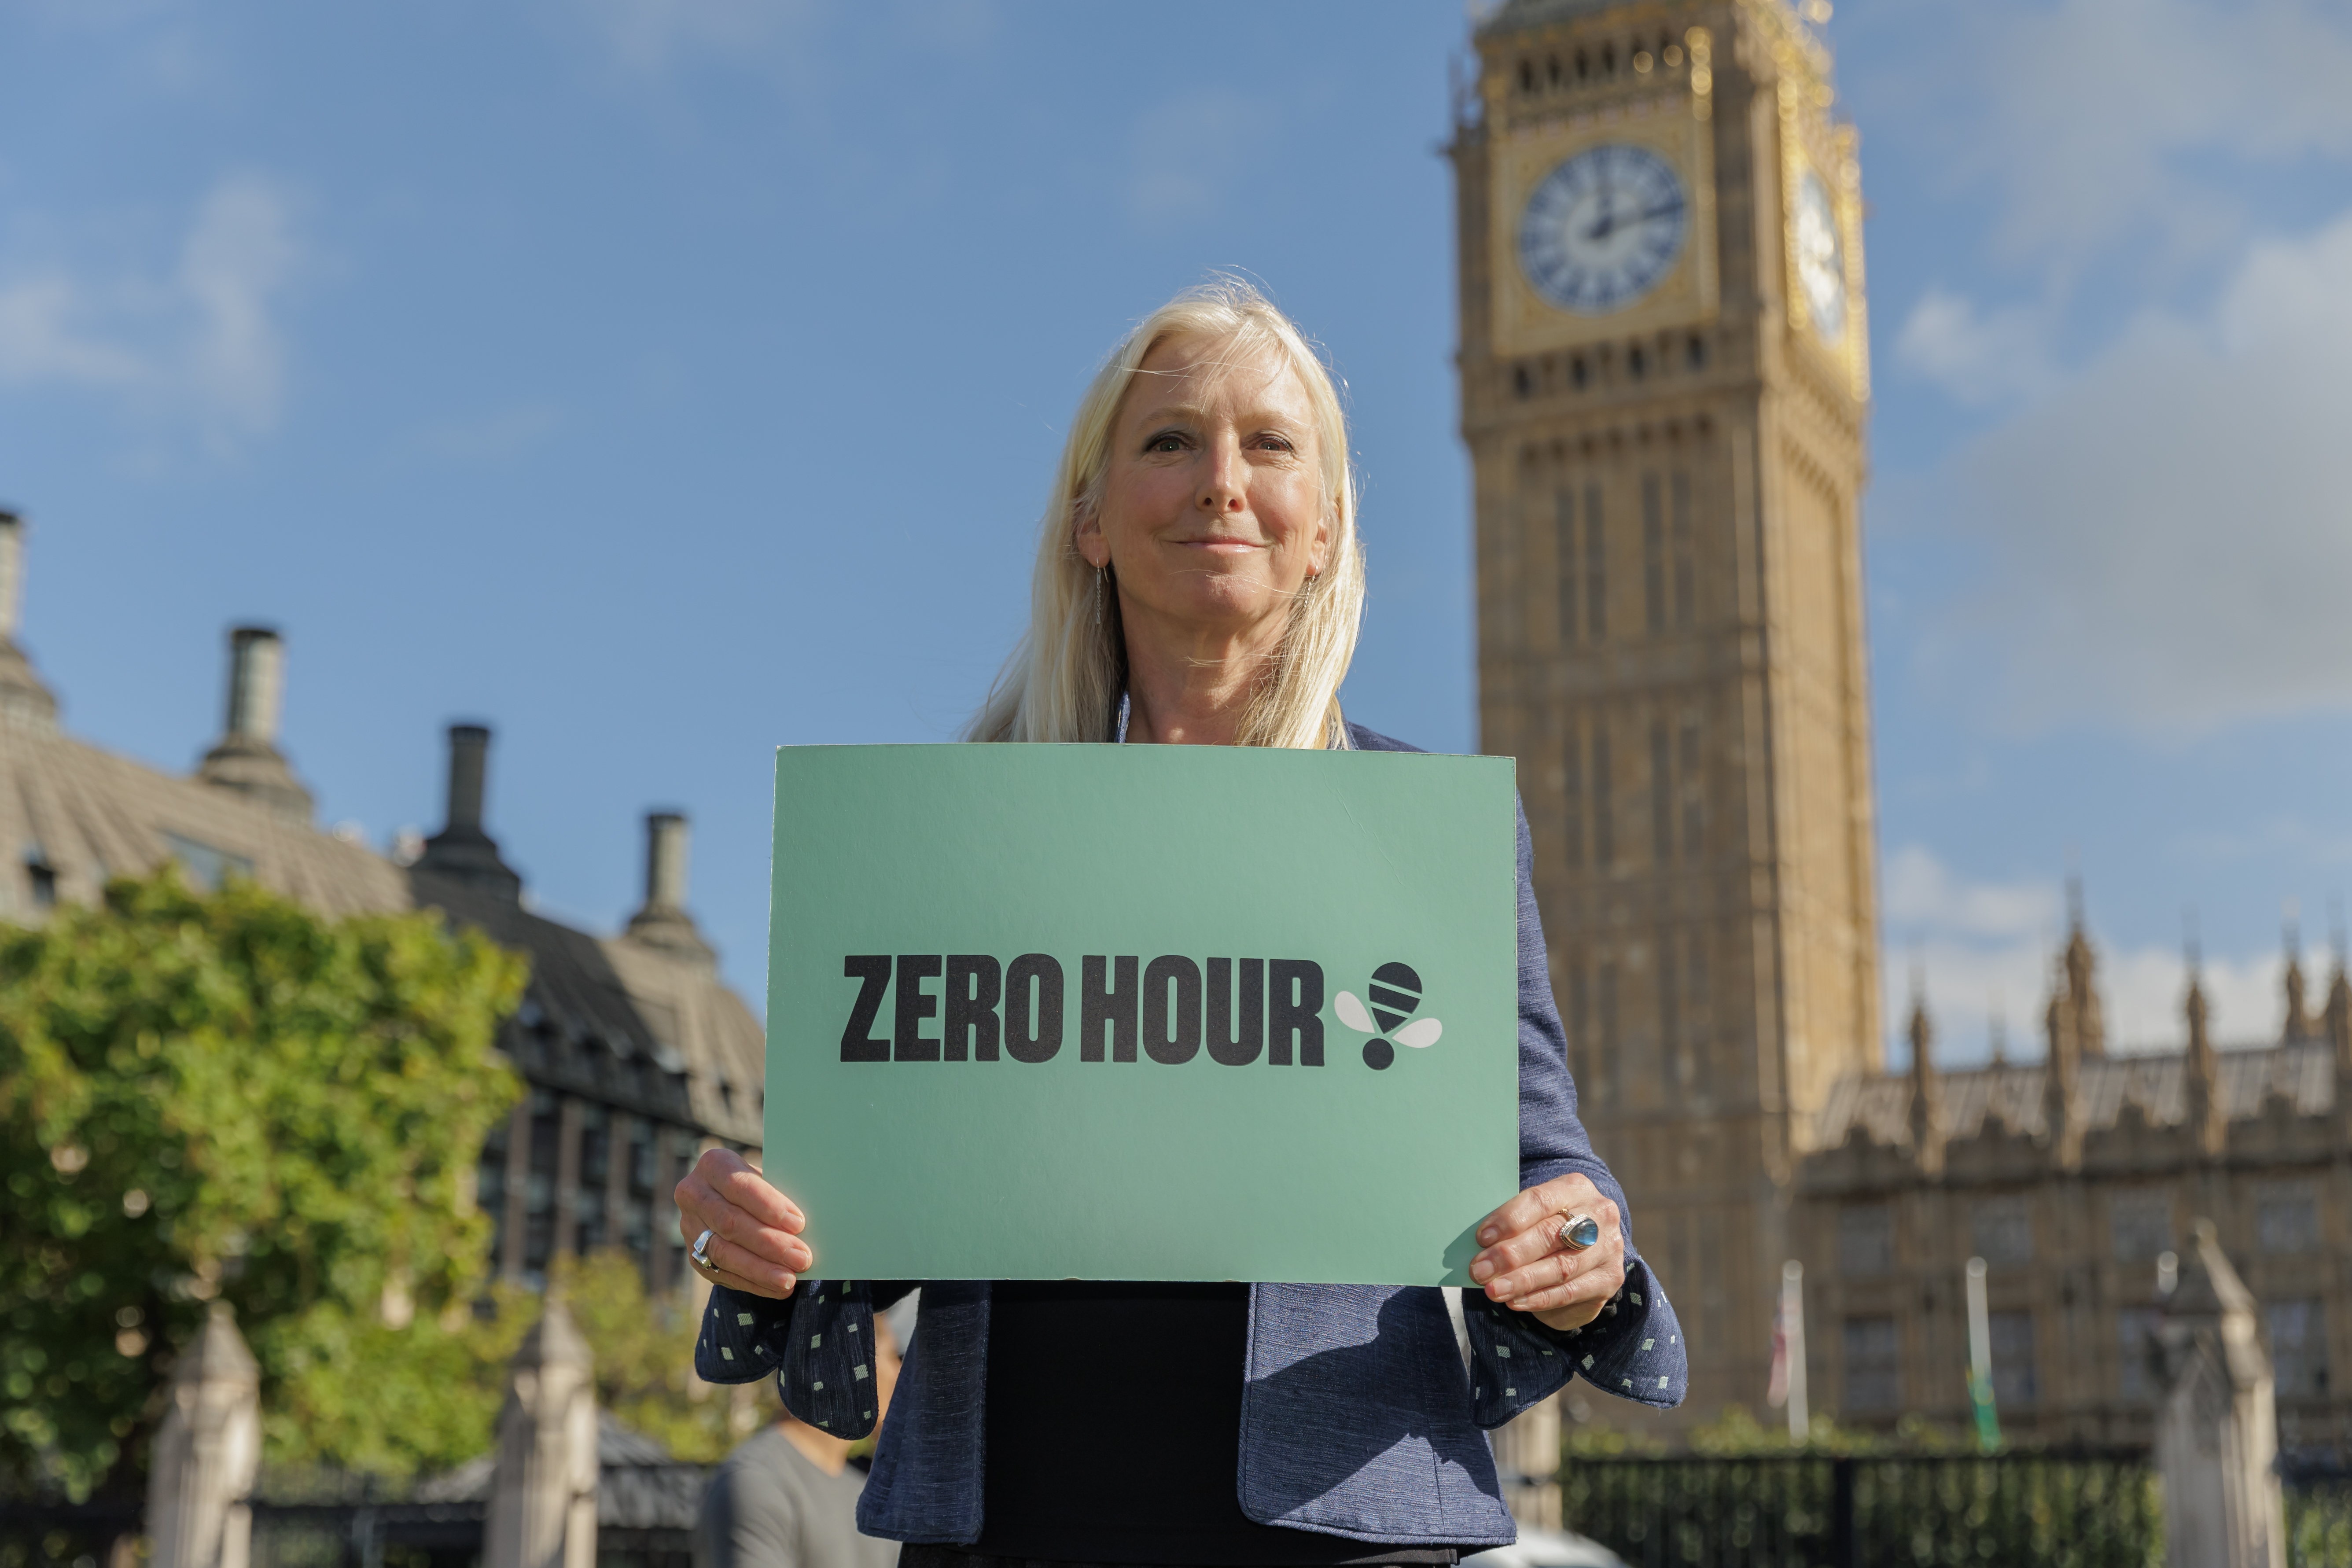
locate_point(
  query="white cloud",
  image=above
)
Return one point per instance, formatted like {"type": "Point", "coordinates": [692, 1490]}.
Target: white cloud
{"type": "Point", "coordinates": [2098, 119]}
{"type": "Point", "coordinates": [1985, 956]}
{"type": "Point", "coordinates": [45, 337]}
{"type": "Point", "coordinates": [2169, 529]}
{"type": "Point", "coordinates": [237, 262]}
{"type": "Point", "coordinates": [1921, 892]}
{"type": "Point", "coordinates": [198, 340]}
{"type": "Point", "coordinates": [1977, 358]}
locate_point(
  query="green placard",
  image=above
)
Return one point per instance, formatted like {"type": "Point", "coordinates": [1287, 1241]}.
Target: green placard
{"type": "Point", "coordinates": [1041, 1012]}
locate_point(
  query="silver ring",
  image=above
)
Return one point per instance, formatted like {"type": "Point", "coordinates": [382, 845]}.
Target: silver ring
{"type": "Point", "coordinates": [1577, 1232]}
{"type": "Point", "coordinates": [700, 1252]}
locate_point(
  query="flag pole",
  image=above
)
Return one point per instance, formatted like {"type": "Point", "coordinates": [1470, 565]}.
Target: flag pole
{"type": "Point", "coordinates": [1980, 1359]}
{"type": "Point", "coordinates": [1793, 1321]}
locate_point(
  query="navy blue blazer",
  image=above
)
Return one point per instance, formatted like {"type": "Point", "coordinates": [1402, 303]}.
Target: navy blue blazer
{"type": "Point", "coordinates": [1358, 1419]}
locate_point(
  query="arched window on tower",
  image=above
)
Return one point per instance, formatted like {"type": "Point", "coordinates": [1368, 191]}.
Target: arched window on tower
{"type": "Point", "coordinates": [1564, 551]}
{"type": "Point", "coordinates": [1662, 796]}
{"type": "Point", "coordinates": [1572, 756]}
{"type": "Point", "coordinates": [1596, 569]}
{"type": "Point", "coordinates": [1672, 1072]}
{"type": "Point", "coordinates": [1685, 555]}
{"type": "Point", "coordinates": [1693, 783]}
{"type": "Point", "coordinates": [1604, 800]}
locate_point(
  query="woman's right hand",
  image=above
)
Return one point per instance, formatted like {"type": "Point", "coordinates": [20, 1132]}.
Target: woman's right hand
{"type": "Point", "coordinates": [755, 1243]}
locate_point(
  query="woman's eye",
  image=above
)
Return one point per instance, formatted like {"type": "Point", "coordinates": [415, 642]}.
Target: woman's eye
{"type": "Point", "coordinates": [1166, 443]}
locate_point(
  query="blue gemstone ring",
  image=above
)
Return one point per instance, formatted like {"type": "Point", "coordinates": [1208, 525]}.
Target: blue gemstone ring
{"type": "Point", "coordinates": [699, 1250]}
{"type": "Point", "coordinates": [1578, 1231]}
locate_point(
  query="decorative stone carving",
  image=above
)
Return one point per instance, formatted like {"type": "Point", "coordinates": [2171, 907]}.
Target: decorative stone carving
{"type": "Point", "coordinates": [2217, 1435]}
{"type": "Point", "coordinates": [543, 1491]}
{"type": "Point", "coordinates": [206, 1453]}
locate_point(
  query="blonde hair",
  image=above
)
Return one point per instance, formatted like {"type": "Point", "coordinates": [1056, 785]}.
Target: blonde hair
{"type": "Point", "coordinates": [1063, 679]}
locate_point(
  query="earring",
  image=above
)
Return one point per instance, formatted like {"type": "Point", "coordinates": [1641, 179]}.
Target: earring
{"type": "Point", "coordinates": [1098, 594]}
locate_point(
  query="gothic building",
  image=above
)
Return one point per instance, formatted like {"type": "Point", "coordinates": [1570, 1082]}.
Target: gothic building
{"type": "Point", "coordinates": [2076, 1180]}
{"type": "Point", "coordinates": [1664, 373]}
{"type": "Point", "coordinates": [635, 1054]}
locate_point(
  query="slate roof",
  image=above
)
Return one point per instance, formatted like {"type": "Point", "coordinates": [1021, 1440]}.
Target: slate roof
{"type": "Point", "coordinates": [1881, 1105]}
{"type": "Point", "coordinates": [617, 1020]}
{"type": "Point", "coordinates": [85, 814]}
{"type": "Point", "coordinates": [648, 1028]}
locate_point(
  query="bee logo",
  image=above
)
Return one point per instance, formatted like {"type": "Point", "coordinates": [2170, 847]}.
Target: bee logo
{"type": "Point", "coordinates": [1395, 992]}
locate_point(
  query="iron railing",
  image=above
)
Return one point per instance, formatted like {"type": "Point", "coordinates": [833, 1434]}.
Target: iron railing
{"type": "Point", "coordinates": [2017, 1511]}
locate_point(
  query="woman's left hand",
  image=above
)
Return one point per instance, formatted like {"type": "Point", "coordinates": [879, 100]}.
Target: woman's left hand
{"type": "Point", "coordinates": [1527, 1267]}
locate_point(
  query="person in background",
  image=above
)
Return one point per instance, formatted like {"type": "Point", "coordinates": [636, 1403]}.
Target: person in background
{"type": "Point", "coordinates": [787, 1496]}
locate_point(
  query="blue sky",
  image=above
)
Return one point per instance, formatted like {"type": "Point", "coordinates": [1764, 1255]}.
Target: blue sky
{"type": "Point", "coordinates": [663, 380]}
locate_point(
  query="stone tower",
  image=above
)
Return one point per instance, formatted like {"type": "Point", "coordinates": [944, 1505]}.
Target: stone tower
{"type": "Point", "coordinates": [1663, 389]}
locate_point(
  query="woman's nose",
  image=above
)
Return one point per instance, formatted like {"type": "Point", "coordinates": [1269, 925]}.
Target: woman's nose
{"type": "Point", "coordinates": [1222, 490]}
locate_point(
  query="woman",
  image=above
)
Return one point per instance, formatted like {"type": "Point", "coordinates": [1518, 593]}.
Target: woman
{"type": "Point", "coordinates": [1199, 582]}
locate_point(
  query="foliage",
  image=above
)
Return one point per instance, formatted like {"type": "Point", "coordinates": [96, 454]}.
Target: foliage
{"type": "Point", "coordinates": [1799, 1509]}
{"type": "Point", "coordinates": [439, 1406]}
{"type": "Point", "coordinates": [645, 1358]}
{"type": "Point", "coordinates": [227, 1096]}
{"type": "Point", "coordinates": [2319, 1520]}
{"type": "Point", "coordinates": [1736, 1434]}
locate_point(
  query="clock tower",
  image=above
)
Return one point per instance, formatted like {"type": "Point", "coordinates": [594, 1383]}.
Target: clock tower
{"type": "Point", "coordinates": [1665, 384]}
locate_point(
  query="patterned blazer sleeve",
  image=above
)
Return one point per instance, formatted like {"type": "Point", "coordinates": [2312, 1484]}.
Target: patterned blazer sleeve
{"type": "Point", "coordinates": [819, 1343]}
{"type": "Point", "coordinates": [1634, 1348]}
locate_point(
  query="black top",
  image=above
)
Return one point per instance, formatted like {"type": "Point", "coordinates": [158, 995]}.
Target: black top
{"type": "Point", "coordinates": [1099, 1454]}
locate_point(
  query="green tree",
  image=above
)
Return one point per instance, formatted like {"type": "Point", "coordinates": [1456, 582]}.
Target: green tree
{"type": "Point", "coordinates": [644, 1359]}
{"type": "Point", "coordinates": [227, 1096]}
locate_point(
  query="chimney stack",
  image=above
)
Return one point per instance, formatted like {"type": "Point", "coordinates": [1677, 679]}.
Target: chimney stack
{"type": "Point", "coordinates": [667, 844]}
{"type": "Point", "coordinates": [25, 702]}
{"type": "Point", "coordinates": [462, 852]}
{"type": "Point", "coordinates": [246, 759]}
{"type": "Point", "coordinates": [663, 922]}
{"type": "Point", "coordinates": [12, 573]}
{"type": "Point", "coordinates": [469, 762]}
{"type": "Point", "coordinates": [257, 684]}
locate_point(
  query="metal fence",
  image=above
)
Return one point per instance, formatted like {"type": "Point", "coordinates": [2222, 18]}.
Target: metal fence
{"type": "Point", "coordinates": [2024, 1510]}
{"type": "Point", "coordinates": [355, 1529]}
{"type": "Point", "coordinates": [2318, 1517]}
{"type": "Point", "coordinates": [64, 1535]}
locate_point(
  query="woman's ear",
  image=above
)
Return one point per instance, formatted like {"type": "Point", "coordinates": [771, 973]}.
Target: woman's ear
{"type": "Point", "coordinates": [1087, 535]}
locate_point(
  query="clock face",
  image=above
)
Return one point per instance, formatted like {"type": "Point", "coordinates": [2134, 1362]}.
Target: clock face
{"type": "Point", "coordinates": [1601, 229]}
{"type": "Point", "coordinates": [1821, 259]}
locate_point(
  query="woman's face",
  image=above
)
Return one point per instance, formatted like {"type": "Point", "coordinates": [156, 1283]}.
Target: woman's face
{"type": "Point", "coordinates": [1212, 515]}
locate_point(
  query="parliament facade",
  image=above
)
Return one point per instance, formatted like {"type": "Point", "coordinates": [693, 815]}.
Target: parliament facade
{"type": "Point", "coordinates": [1665, 384]}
